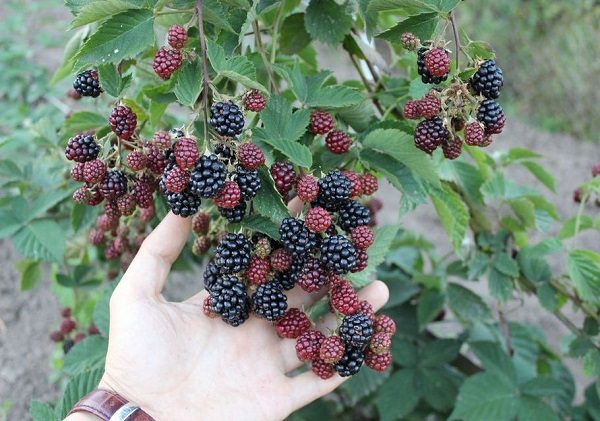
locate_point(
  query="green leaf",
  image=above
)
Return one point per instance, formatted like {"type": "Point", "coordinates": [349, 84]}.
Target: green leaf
{"type": "Point", "coordinates": [480, 50]}
{"type": "Point", "coordinates": [215, 13]}
{"type": "Point", "coordinates": [293, 36]}
{"type": "Point", "coordinates": [99, 10]}
{"type": "Point", "coordinates": [524, 210]}
{"type": "Point", "coordinates": [188, 83]}
{"type": "Point", "coordinates": [262, 224]}
{"type": "Point", "coordinates": [485, 397]}
{"type": "Point", "coordinates": [500, 285]}
{"type": "Point", "coordinates": [430, 304]}
{"type": "Point", "coordinates": [439, 352]}
{"type": "Point", "coordinates": [30, 271]}
{"type": "Point", "coordinates": [534, 409]}
{"type": "Point", "coordinates": [494, 359]}
{"type": "Point", "coordinates": [453, 214]}
{"type": "Point", "coordinates": [423, 26]}
{"type": "Point", "coordinates": [401, 147]}
{"type": "Point", "coordinates": [42, 239]}
{"type": "Point", "coordinates": [542, 386]}
{"type": "Point", "coordinates": [398, 395]}
{"type": "Point", "coordinates": [327, 21]}
{"type": "Point", "coordinates": [337, 96]}
{"type": "Point", "coordinates": [541, 174]}
{"type": "Point", "coordinates": [478, 265]}
{"type": "Point", "coordinates": [88, 354]}
{"type": "Point", "coordinates": [78, 387]}
{"type": "Point", "coordinates": [268, 201]}
{"type": "Point", "coordinates": [72, 47]}
{"type": "Point", "coordinates": [384, 236]}
{"type": "Point", "coordinates": [505, 264]}
{"type": "Point", "coordinates": [466, 305]}
{"type": "Point", "coordinates": [570, 227]}
{"type": "Point", "coordinates": [584, 269]}
{"type": "Point", "coordinates": [439, 387]}
{"type": "Point", "coordinates": [591, 363]}
{"type": "Point", "coordinates": [363, 384]}
{"type": "Point", "coordinates": [111, 81]}
{"type": "Point", "coordinates": [41, 411]}
{"type": "Point", "coordinates": [122, 36]}
{"type": "Point", "coordinates": [237, 68]}
{"type": "Point", "coordinates": [84, 120]}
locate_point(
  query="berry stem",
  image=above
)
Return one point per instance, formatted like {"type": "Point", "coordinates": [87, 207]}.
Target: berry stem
{"type": "Point", "coordinates": [205, 80]}
{"type": "Point", "coordinates": [458, 46]}
{"type": "Point", "coordinates": [263, 55]}
{"type": "Point", "coordinates": [275, 32]}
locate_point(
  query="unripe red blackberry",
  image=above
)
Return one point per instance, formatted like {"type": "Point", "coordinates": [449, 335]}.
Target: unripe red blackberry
{"type": "Point", "coordinates": [429, 134]}
{"type": "Point", "coordinates": [452, 147]}
{"type": "Point", "coordinates": [157, 160]}
{"type": "Point", "coordinates": [378, 362]}
{"type": "Point", "coordinates": [338, 142]}
{"type": "Point", "coordinates": [111, 209]}
{"type": "Point", "coordinates": [96, 236]}
{"type": "Point", "coordinates": [307, 188]}
{"type": "Point", "coordinates": [362, 237]}
{"type": "Point", "coordinates": [137, 160]}
{"type": "Point", "coordinates": [201, 223]}
{"type": "Point", "coordinates": [146, 214]}
{"type": "Point", "coordinates": [228, 196]}
{"type": "Point", "coordinates": [123, 121]}
{"type": "Point", "coordinates": [596, 170]}
{"type": "Point", "coordinates": [57, 336]}
{"type": "Point", "coordinates": [95, 197]}
{"type": "Point", "coordinates": [81, 195]}
{"type": "Point", "coordinates": [177, 180]}
{"type": "Point", "coordinates": [67, 326]}
{"type": "Point", "coordinates": [281, 259]}
{"type": "Point", "coordinates": [369, 184]}
{"type": "Point", "coordinates": [412, 109]}
{"type": "Point", "coordinates": [206, 308]}
{"type": "Point", "coordinates": [113, 185]}
{"type": "Point", "coordinates": [410, 41]}
{"type": "Point", "coordinates": [362, 261]}
{"type": "Point", "coordinates": [437, 62]}
{"type": "Point", "coordinates": [177, 37]}
{"type": "Point", "coordinates": [161, 140]}
{"type": "Point", "coordinates": [356, 187]}
{"type": "Point", "coordinates": [94, 171]}
{"type": "Point", "coordinates": [367, 309]}
{"type": "Point", "coordinates": [166, 62]}
{"type": "Point", "coordinates": [79, 337]}
{"type": "Point", "coordinates": [126, 204]}
{"type": "Point", "coordinates": [284, 176]}
{"type": "Point", "coordinates": [312, 276]}
{"type": "Point", "coordinates": [82, 148]}
{"type": "Point", "coordinates": [308, 345]}
{"type": "Point", "coordinates": [201, 245]}
{"type": "Point", "coordinates": [255, 101]}
{"type": "Point", "coordinates": [257, 271]}
{"type": "Point", "coordinates": [77, 171]}
{"type": "Point", "coordinates": [110, 252]}
{"type": "Point", "coordinates": [87, 84]}
{"type": "Point", "coordinates": [322, 369]}
{"type": "Point", "coordinates": [142, 194]}
{"type": "Point", "coordinates": [385, 324]}
{"type": "Point", "coordinates": [321, 122]}
{"type": "Point", "coordinates": [430, 106]}
{"type": "Point", "coordinates": [426, 76]}
{"type": "Point", "coordinates": [343, 298]}
{"type": "Point", "coordinates": [250, 156]}
{"type": "Point", "coordinates": [293, 324]}
{"type": "Point", "coordinates": [106, 222]}
{"type": "Point", "coordinates": [381, 343]}
{"type": "Point", "coordinates": [487, 140]}
{"type": "Point", "coordinates": [186, 153]}
{"type": "Point", "coordinates": [332, 349]}
{"type": "Point", "coordinates": [317, 219]}
{"type": "Point", "coordinates": [474, 133]}
{"type": "Point", "coordinates": [577, 195]}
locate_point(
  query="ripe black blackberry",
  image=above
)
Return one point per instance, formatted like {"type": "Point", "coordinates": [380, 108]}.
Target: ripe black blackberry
{"type": "Point", "coordinates": [225, 153]}
{"type": "Point", "coordinates": [356, 330]}
{"type": "Point", "coordinates": [295, 237]}
{"type": "Point", "coordinates": [334, 190]}
{"type": "Point", "coordinates": [426, 77]}
{"type": "Point", "coordinates": [488, 80]}
{"type": "Point", "coordinates": [269, 301]}
{"type": "Point", "coordinates": [82, 148]}
{"type": "Point", "coordinates": [183, 204]}
{"type": "Point", "coordinates": [207, 177]}
{"type": "Point", "coordinates": [288, 278]}
{"type": "Point", "coordinates": [429, 134]}
{"type": "Point", "coordinates": [235, 214]}
{"type": "Point", "coordinates": [338, 254]}
{"type": "Point", "coordinates": [87, 84]}
{"type": "Point", "coordinates": [226, 118]}
{"type": "Point", "coordinates": [248, 181]}
{"type": "Point", "coordinates": [113, 185]}
{"type": "Point", "coordinates": [490, 113]}
{"type": "Point", "coordinates": [233, 253]}
{"type": "Point", "coordinates": [210, 276]}
{"type": "Point", "coordinates": [228, 299]}
{"type": "Point", "coordinates": [350, 363]}
{"type": "Point", "coordinates": [352, 214]}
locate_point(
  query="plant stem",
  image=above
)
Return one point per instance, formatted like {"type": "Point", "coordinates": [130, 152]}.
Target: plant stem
{"type": "Point", "coordinates": [205, 80]}
{"type": "Point", "coordinates": [275, 34]}
{"type": "Point", "coordinates": [505, 331]}
{"type": "Point", "coordinates": [263, 55]}
{"type": "Point", "coordinates": [173, 12]}
{"type": "Point", "coordinates": [365, 82]}
{"type": "Point", "coordinates": [457, 45]}
{"type": "Point", "coordinates": [578, 218]}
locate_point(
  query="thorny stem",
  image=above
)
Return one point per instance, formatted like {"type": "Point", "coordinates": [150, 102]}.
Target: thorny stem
{"type": "Point", "coordinates": [263, 55]}
{"type": "Point", "coordinates": [456, 36]}
{"type": "Point", "coordinates": [205, 80]}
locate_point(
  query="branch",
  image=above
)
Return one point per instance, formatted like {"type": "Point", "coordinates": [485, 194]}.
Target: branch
{"type": "Point", "coordinates": [263, 55]}
{"type": "Point", "coordinates": [205, 80]}
{"type": "Point", "coordinates": [505, 331]}
{"type": "Point", "coordinates": [456, 36]}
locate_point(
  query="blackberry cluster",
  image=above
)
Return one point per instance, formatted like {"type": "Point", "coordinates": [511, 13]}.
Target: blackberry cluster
{"type": "Point", "coordinates": [69, 332]}
{"type": "Point", "coordinates": [226, 118]}
{"type": "Point", "coordinates": [87, 84]}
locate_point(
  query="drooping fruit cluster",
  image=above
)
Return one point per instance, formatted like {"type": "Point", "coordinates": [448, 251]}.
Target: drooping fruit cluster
{"type": "Point", "coordinates": [69, 332]}
{"type": "Point", "coordinates": [168, 60]}
{"type": "Point", "coordinates": [463, 111]}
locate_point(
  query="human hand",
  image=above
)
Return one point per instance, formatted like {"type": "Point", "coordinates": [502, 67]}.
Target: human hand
{"type": "Point", "coordinates": [176, 363]}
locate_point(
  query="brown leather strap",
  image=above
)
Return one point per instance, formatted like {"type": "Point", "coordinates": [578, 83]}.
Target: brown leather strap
{"type": "Point", "coordinates": [104, 404]}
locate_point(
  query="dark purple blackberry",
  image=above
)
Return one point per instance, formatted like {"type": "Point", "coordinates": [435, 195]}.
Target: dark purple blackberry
{"type": "Point", "coordinates": [225, 154]}
{"type": "Point", "coordinates": [228, 299]}
{"type": "Point", "coordinates": [426, 77]}
{"type": "Point", "coordinates": [352, 214]}
{"type": "Point", "coordinates": [313, 275]}
{"type": "Point", "coordinates": [226, 118]}
{"type": "Point", "coordinates": [87, 84]}
{"type": "Point", "coordinates": [176, 133]}
{"type": "Point", "coordinates": [295, 237]}
{"type": "Point", "coordinates": [269, 301]}
{"type": "Point", "coordinates": [233, 253]}
{"type": "Point", "coordinates": [488, 80]}
{"type": "Point", "coordinates": [334, 190]}
{"type": "Point", "coordinates": [82, 148]}
{"type": "Point", "coordinates": [490, 113]}
{"type": "Point", "coordinates": [183, 204]}
{"type": "Point", "coordinates": [235, 214]}
{"type": "Point", "coordinates": [248, 181]}
{"type": "Point", "coordinates": [338, 254]}
{"type": "Point", "coordinates": [207, 177]}
{"type": "Point", "coordinates": [350, 363]}
{"type": "Point", "coordinates": [162, 183]}
{"type": "Point", "coordinates": [67, 345]}
{"type": "Point", "coordinates": [288, 278]}
{"type": "Point", "coordinates": [113, 185]}
{"type": "Point", "coordinates": [210, 276]}
{"type": "Point", "coordinates": [430, 134]}
{"type": "Point", "coordinates": [356, 330]}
